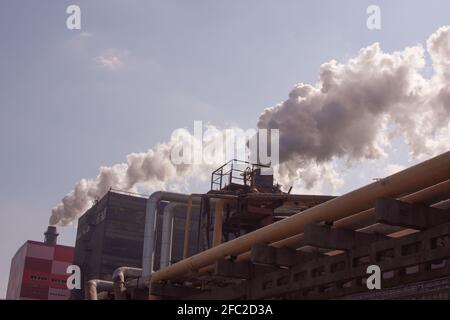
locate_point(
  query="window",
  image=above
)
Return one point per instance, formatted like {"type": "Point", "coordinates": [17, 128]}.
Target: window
{"type": "Point", "coordinates": [55, 280]}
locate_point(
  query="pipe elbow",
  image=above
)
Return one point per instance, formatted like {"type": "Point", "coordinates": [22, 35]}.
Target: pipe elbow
{"type": "Point", "coordinates": [121, 273]}
{"type": "Point", "coordinates": [156, 196]}
{"type": "Point", "coordinates": [118, 274]}
{"type": "Point", "coordinates": [94, 286]}
{"type": "Point", "coordinates": [92, 283]}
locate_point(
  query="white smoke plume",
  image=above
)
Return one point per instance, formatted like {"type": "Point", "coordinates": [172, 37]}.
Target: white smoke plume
{"type": "Point", "coordinates": [153, 169]}
{"type": "Point", "coordinates": [351, 114]}
{"type": "Point", "coordinates": [356, 108]}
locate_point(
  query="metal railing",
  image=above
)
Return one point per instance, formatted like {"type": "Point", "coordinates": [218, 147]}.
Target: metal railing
{"type": "Point", "coordinates": [233, 172]}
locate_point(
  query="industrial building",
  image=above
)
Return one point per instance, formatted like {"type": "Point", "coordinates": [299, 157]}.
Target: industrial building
{"type": "Point", "coordinates": [247, 239]}
{"type": "Point", "coordinates": [111, 234]}
{"type": "Point", "coordinates": [177, 226]}
{"type": "Point", "coordinates": [38, 270]}
{"type": "Point", "coordinates": [250, 240]}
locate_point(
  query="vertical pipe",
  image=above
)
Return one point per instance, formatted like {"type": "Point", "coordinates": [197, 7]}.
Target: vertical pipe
{"type": "Point", "coordinates": [199, 224]}
{"type": "Point", "coordinates": [167, 234]}
{"type": "Point", "coordinates": [218, 216]}
{"type": "Point", "coordinates": [187, 229]}
{"type": "Point", "coordinates": [91, 290]}
{"type": "Point", "coordinates": [120, 291]}
{"type": "Point", "coordinates": [150, 226]}
{"type": "Point", "coordinates": [149, 234]}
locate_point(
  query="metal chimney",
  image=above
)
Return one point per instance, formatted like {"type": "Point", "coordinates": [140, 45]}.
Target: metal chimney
{"type": "Point", "coordinates": [51, 235]}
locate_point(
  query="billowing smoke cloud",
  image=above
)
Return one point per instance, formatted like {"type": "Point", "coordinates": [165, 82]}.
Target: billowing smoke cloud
{"type": "Point", "coordinates": [152, 169]}
{"type": "Point", "coordinates": [351, 114]}
{"type": "Point", "coordinates": [356, 108]}
{"type": "Point", "coordinates": [166, 166]}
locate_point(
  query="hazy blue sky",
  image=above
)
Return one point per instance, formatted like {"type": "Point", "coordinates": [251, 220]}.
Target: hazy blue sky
{"type": "Point", "coordinates": [65, 109]}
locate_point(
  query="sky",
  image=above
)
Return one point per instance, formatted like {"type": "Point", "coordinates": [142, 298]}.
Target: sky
{"type": "Point", "coordinates": [74, 100]}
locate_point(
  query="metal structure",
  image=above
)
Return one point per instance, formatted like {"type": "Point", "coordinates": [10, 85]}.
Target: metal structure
{"type": "Point", "coordinates": [239, 175]}
{"type": "Point", "coordinates": [225, 268]}
{"type": "Point", "coordinates": [292, 274]}
{"type": "Point", "coordinates": [256, 242]}
{"type": "Point", "coordinates": [109, 235]}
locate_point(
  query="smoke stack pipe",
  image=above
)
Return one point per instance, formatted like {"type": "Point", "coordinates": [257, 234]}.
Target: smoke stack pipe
{"type": "Point", "coordinates": [51, 235]}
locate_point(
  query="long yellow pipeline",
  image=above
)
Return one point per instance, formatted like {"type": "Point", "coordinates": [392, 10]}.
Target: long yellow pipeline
{"type": "Point", "coordinates": [366, 218]}
{"type": "Point", "coordinates": [362, 219]}
{"type": "Point", "coordinates": [418, 177]}
{"type": "Point", "coordinates": [218, 216]}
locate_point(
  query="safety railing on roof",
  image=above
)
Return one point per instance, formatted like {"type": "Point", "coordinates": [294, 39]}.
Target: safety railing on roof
{"type": "Point", "coordinates": [233, 172]}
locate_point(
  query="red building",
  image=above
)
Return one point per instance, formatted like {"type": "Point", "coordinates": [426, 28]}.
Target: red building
{"type": "Point", "coordinates": [38, 270]}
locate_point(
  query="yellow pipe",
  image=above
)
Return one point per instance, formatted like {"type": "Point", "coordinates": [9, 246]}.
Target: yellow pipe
{"type": "Point", "coordinates": [366, 218]}
{"type": "Point", "coordinates": [418, 177]}
{"type": "Point", "coordinates": [362, 220]}
{"type": "Point", "coordinates": [218, 217]}
{"type": "Point", "coordinates": [187, 228]}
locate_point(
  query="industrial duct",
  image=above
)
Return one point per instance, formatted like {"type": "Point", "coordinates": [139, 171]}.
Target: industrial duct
{"type": "Point", "coordinates": [119, 276]}
{"type": "Point", "coordinates": [149, 231]}
{"type": "Point", "coordinates": [166, 239]}
{"type": "Point", "coordinates": [93, 287]}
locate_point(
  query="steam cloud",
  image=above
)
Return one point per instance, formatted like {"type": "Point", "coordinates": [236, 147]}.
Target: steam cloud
{"type": "Point", "coordinates": [153, 169]}
{"type": "Point", "coordinates": [356, 108]}
{"type": "Point", "coordinates": [351, 114]}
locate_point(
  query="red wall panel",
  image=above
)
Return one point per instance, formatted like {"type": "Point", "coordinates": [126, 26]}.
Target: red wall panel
{"type": "Point", "coordinates": [39, 265]}
{"type": "Point", "coordinates": [41, 272]}
{"type": "Point", "coordinates": [34, 291]}
{"type": "Point", "coordinates": [63, 254]}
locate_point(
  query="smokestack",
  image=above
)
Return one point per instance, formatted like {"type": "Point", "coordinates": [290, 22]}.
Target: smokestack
{"type": "Point", "coordinates": [51, 235]}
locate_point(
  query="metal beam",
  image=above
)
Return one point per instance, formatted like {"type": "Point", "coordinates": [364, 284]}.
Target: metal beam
{"type": "Point", "coordinates": [337, 238]}
{"type": "Point", "coordinates": [403, 214]}
{"type": "Point", "coordinates": [240, 270]}
{"type": "Point", "coordinates": [230, 269]}
{"type": "Point", "coordinates": [281, 257]}
{"type": "Point", "coordinates": [165, 290]}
